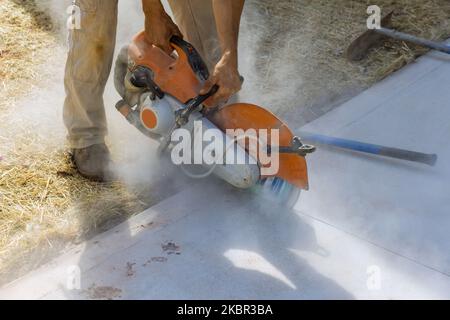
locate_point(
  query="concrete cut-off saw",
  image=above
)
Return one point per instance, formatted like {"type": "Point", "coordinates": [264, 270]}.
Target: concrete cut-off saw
{"type": "Point", "coordinates": [160, 95]}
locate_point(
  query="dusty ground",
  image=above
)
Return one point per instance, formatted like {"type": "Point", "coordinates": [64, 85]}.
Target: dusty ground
{"type": "Point", "coordinates": [296, 67]}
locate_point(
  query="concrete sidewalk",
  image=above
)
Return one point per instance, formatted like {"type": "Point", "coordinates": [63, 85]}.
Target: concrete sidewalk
{"type": "Point", "coordinates": [369, 228]}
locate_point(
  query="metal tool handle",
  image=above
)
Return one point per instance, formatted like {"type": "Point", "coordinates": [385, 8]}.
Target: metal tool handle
{"type": "Point", "coordinates": [202, 98]}
{"type": "Point", "coordinates": [183, 116]}
{"type": "Point", "coordinates": [410, 38]}
{"type": "Point", "coordinates": [429, 159]}
{"type": "Point", "coordinates": [193, 57]}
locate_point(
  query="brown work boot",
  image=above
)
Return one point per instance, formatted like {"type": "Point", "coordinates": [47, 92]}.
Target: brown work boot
{"type": "Point", "coordinates": [94, 162]}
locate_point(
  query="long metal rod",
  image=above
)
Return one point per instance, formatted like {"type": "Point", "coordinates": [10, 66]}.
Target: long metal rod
{"type": "Point", "coordinates": [429, 159]}
{"type": "Point", "coordinates": [410, 38]}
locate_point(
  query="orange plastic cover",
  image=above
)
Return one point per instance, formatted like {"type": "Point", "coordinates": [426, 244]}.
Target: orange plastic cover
{"type": "Point", "coordinates": [172, 74]}
{"type": "Point", "coordinates": [293, 167]}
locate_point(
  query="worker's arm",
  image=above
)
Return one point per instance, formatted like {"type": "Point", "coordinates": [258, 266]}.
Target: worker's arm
{"type": "Point", "coordinates": [159, 27]}
{"type": "Point", "coordinates": [226, 75]}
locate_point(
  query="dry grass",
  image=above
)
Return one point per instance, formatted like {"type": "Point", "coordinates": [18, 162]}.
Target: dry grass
{"type": "Point", "coordinates": [302, 46]}
{"type": "Point", "coordinates": [25, 36]}
{"type": "Point", "coordinates": [44, 203]}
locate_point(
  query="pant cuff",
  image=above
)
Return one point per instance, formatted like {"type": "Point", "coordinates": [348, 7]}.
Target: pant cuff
{"type": "Point", "coordinates": [82, 143]}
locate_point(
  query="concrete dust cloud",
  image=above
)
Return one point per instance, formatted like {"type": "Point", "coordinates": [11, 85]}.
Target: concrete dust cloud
{"type": "Point", "coordinates": [137, 162]}
{"type": "Point", "coordinates": [136, 159]}
{"type": "Point", "coordinates": [134, 152]}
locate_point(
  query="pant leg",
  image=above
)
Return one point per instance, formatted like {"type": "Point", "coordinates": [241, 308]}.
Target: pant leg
{"type": "Point", "coordinates": [89, 61]}
{"type": "Point", "coordinates": [196, 21]}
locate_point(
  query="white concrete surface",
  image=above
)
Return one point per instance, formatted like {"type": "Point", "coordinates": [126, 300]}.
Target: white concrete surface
{"type": "Point", "coordinates": [402, 206]}
{"type": "Point", "coordinates": [369, 228]}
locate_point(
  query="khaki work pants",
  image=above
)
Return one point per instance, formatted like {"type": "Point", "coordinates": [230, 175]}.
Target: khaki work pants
{"type": "Point", "coordinates": [91, 55]}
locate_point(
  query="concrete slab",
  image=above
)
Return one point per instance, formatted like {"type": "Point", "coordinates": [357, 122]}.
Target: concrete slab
{"type": "Point", "coordinates": [183, 248]}
{"type": "Point", "coordinates": [402, 206]}
{"type": "Point", "coordinates": [370, 228]}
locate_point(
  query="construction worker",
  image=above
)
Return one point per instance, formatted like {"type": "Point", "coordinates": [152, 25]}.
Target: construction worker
{"type": "Point", "coordinates": [212, 26]}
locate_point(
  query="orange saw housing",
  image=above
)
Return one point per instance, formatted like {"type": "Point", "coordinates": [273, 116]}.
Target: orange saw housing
{"type": "Point", "coordinates": [176, 76]}
{"type": "Point", "coordinates": [173, 75]}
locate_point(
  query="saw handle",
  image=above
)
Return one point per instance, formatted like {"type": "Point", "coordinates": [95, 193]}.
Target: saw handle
{"type": "Point", "coordinates": [202, 98]}
{"type": "Point", "coordinates": [183, 115]}
{"type": "Point", "coordinates": [194, 59]}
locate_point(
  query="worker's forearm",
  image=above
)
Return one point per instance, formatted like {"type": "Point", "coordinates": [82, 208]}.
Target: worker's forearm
{"type": "Point", "coordinates": [228, 18]}
{"type": "Point", "coordinates": [152, 6]}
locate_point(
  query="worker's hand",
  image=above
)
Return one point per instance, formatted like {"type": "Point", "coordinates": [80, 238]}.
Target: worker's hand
{"type": "Point", "coordinates": [226, 76]}
{"type": "Point", "coordinates": [159, 29]}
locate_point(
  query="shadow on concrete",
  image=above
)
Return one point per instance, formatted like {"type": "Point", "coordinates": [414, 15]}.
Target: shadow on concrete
{"type": "Point", "coordinates": [232, 245]}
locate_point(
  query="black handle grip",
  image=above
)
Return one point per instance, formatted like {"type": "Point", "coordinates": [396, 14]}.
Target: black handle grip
{"type": "Point", "coordinates": [183, 116]}
{"type": "Point", "coordinates": [203, 98]}
{"type": "Point", "coordinates": [196, 62]}
{"type": "Point", "coordinates": [200, 99]}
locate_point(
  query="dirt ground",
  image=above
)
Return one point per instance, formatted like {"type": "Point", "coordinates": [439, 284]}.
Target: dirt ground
{"type": "Point", "coordinates": [296, 66]}
{"type": "Point", "coordinates": [302, 72]}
